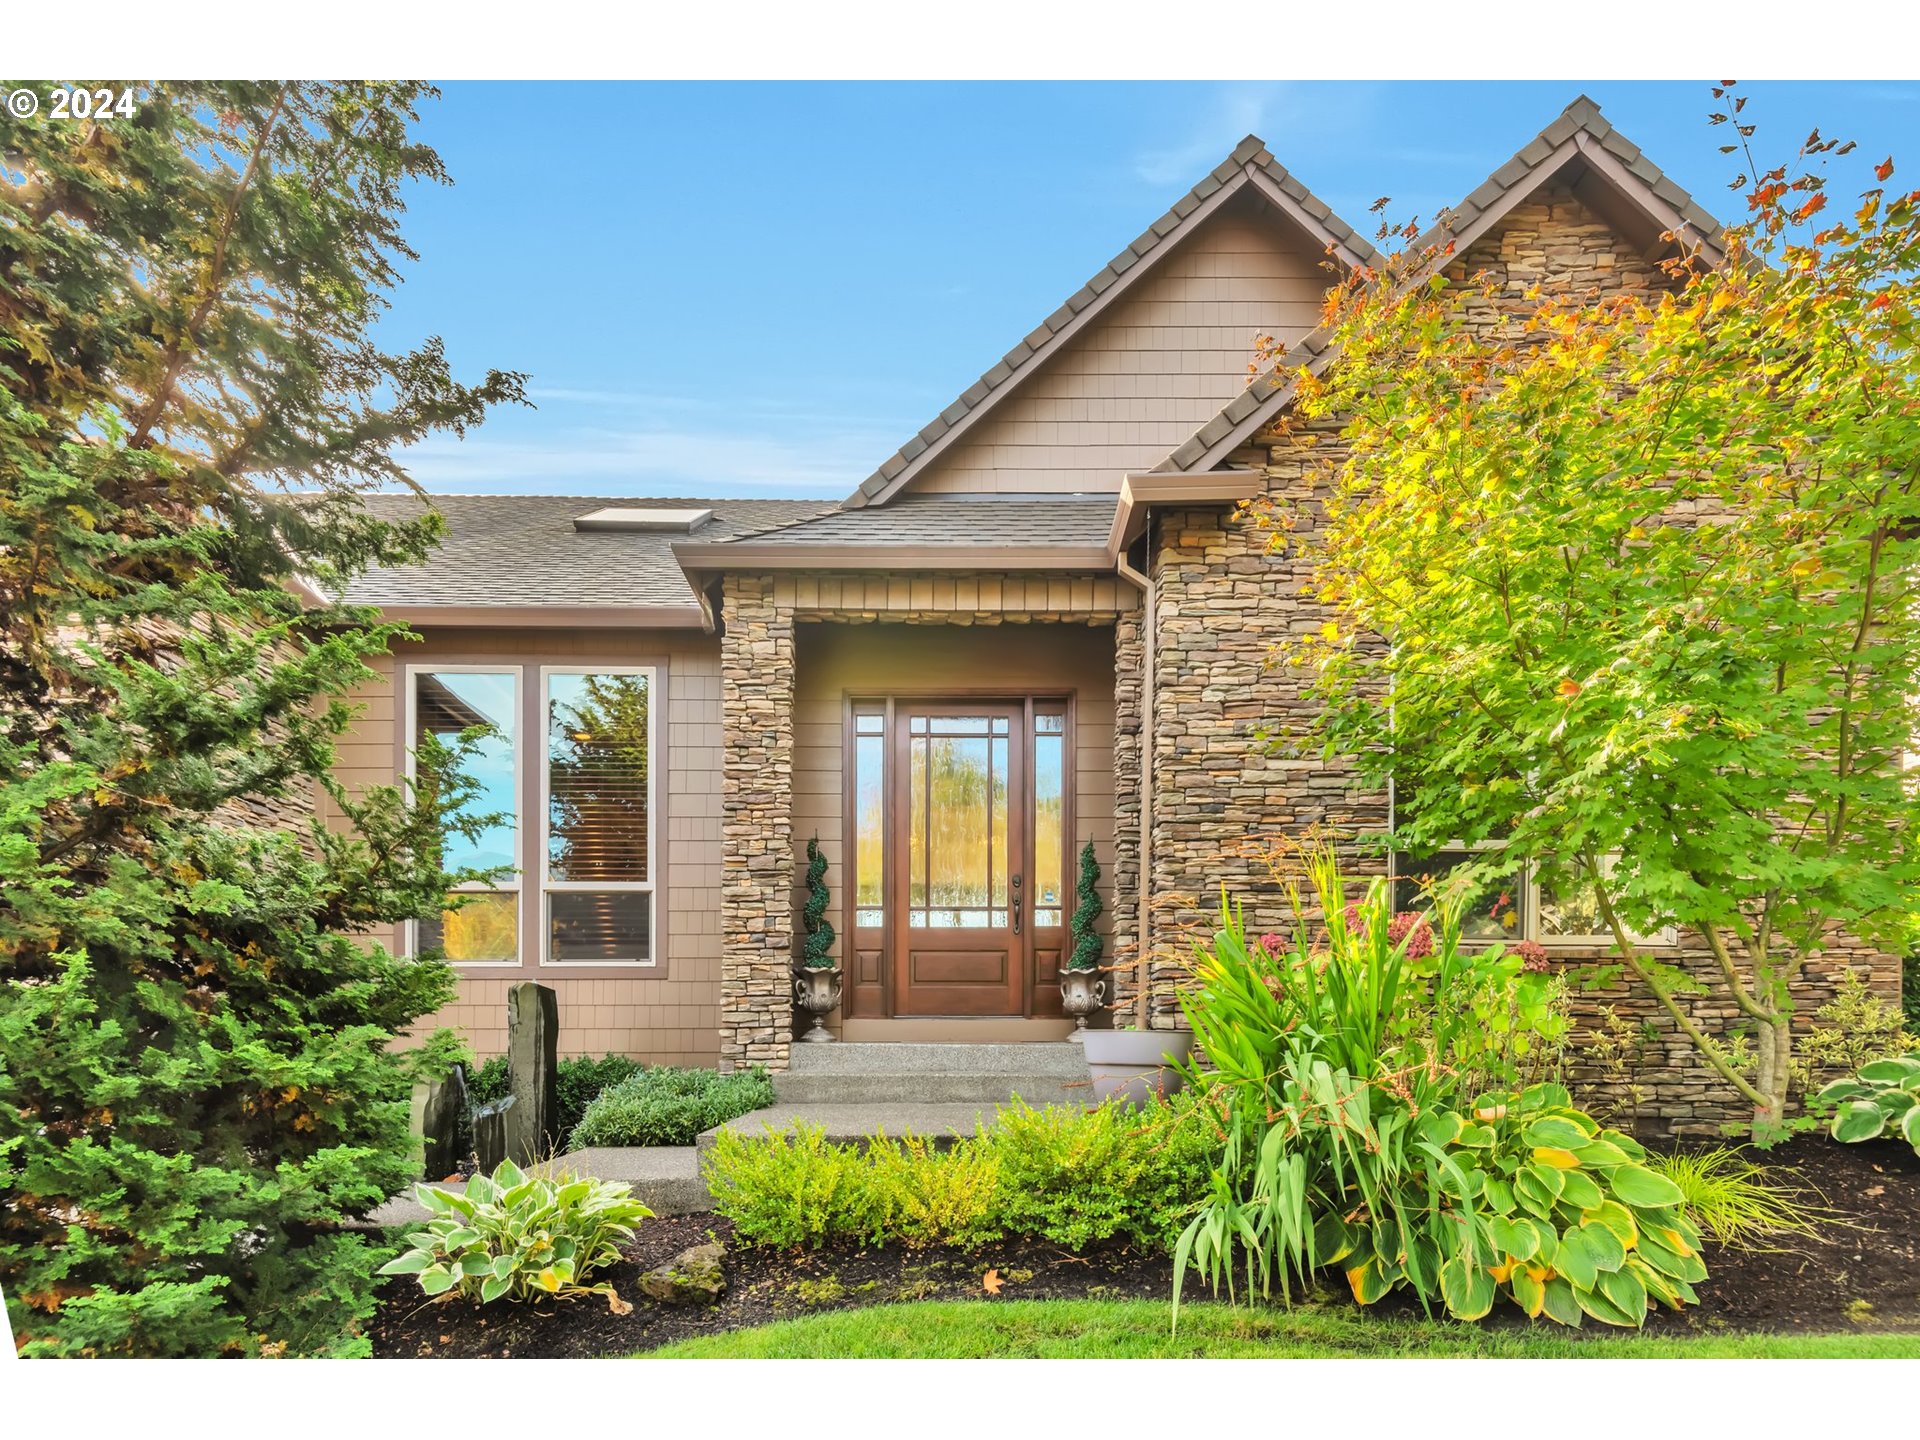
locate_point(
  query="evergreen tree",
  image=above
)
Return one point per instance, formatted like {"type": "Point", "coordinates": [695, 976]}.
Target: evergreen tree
{"type": "Point", "coordinates": [817, 951]}
{"type": "Point", "coordinates": [198, 1080]}
{"type": "Point", "coordinates": [1086, 944]}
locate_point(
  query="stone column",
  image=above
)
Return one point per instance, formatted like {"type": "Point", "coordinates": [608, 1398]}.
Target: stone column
{"type": "Point", "coordinates": [1129, 655]}
{"type": "Point", "coordinates": [756, 868]}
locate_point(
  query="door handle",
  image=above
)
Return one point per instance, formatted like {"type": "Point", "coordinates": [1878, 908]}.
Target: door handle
{"type": "Point", "coordinates": [1016, 904]}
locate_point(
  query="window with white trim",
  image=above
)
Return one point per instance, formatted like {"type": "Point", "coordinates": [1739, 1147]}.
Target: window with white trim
{"type": "Point", "coordinates": [1544, 900]}
{"type": "Point", "coordinates": [597, 874]}
{"type": "Point", "coordinates": [583, 880]}
{"type": "Point", "coordinates": [445, 701]}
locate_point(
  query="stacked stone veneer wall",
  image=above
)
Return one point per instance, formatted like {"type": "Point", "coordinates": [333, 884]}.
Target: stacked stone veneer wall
{"type": "Point", "coordinates": [1123, 897]}
{"type": "Point", "coordinates": [1226, 600]}
{"type": "Point", "coordinates": [756, 868]}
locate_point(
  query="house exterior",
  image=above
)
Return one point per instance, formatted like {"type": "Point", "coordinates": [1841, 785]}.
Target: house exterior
{"type": "Point", "coordinates": [1038, 624]}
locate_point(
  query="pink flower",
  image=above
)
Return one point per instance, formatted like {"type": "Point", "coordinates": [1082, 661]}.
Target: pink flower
{"type": "Point", "coordinates": [1270, 942]}
{"type": "Point", "coordinates": [1533, 957]}
{"type": "Point", "coordinates": [1411, 922]}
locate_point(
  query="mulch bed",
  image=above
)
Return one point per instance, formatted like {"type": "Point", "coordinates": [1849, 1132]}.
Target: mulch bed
{"type": "Point", "coordinates": [1860, 1272]}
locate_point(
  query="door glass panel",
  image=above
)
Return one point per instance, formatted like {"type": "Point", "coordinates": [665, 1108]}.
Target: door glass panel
{"type": "Point", "coordinates": [869, 812]}
{"type": "Point", "coordinates": [1049, 819]}
{"type": "Point", "coordinates": [957, 824]}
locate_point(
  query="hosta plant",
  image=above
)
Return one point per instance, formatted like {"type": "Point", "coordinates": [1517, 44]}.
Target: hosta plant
{"type": "Point", "coordinates": [520, 1237]}
{"type": "Point", "coordinates": [1881, 1099]}
{"type": "Point", "coordinates": [1534, 1201]}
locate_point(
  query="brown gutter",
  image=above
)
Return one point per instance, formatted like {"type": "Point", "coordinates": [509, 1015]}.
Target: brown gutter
{"type": "Point", "coordinates": [1178, 487]}
{"type": "Point", "coordinates": [1143, 882]}
{"type": "Point", "coordinates": [599, 617]}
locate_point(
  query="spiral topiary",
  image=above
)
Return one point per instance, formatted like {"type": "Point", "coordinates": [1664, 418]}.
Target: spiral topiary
{"type": "Point", "coordinates": [1086, 944]}
{"type": "Point", "coordinates": [817, 952]}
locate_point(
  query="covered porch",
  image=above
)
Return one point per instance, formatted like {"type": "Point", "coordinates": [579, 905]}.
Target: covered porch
{"type": "Point", "coordinates": [953, 740]}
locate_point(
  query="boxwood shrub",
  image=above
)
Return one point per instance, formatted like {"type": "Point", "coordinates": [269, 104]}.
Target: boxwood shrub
{"type": "Point", "coordinates": [664, 1106]}
{"type": "Point", "coordinates": [1075, 1177]}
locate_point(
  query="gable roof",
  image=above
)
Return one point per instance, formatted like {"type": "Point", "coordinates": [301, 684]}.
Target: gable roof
{"type": "Point", "coordinates": [1250, 166]}
{"type": "Point", "coordinates": [932, 532]}
{"type": "Point", "coordinates": [506, 551]}
{"type": "Point", "coordinates": [1579, 138]}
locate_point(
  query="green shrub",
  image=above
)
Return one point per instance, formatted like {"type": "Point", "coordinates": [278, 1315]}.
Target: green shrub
{"type": "Point", "coordinates": [1852, 1029]}
{"type": "Point", "coordinates": [1882, 1099]}
{"type": "Point", "coordinates": [1077, 1177]}
{"type": "Point", "coordinates": [790, 1188]}
{"type": "Point", "coordinates": [1731, 1198]}
{"type": "Point", "coordinates": [921, 1195]}
{"type": "Point", "coordinates": [579, 1080]}
{"type": "Point", "coordinates": [520, 1237]}
{"type": "Point", "coordinates": [663, 1106]}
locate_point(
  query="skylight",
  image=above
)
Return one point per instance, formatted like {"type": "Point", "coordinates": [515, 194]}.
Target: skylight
{"type": "Point", "coordinates": [643, 518]}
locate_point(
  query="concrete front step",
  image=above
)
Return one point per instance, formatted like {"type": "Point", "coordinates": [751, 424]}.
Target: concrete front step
{"type": "Point", "coordinates": [942, 1122]}
{"type": "Point", "coordinates": [919, 1074]}
{"type": "Point", "coordinates": [932, 1088]}
{"type": "Point", "coordinates": [1051, 1057]}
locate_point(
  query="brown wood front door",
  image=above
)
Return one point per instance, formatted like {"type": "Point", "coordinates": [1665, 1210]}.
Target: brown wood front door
{"type": "Point", "coordinates": [960, 822]}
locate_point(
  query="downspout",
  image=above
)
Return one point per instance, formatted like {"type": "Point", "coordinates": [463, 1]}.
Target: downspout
{"type": "Point", "coordinates": [1143, 581]}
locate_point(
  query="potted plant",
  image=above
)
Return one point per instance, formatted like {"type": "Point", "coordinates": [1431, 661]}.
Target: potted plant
{"type": "Point", "coordinates": [1128, 1063]}
{"type": "Point", "coordinates": [816, 987]}
{"type": "Point", "coordinates": [1133, 1061]}
{"type": "Point", "coordinates": [1083, 985]}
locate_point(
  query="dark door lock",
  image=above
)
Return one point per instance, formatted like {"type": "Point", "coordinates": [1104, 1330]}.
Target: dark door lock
{"type": "Point", "coordinates": [1016, 904]}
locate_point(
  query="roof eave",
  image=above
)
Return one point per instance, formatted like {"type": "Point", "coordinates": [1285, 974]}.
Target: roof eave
{"type": "Point", "coordinates": [1138, 493]}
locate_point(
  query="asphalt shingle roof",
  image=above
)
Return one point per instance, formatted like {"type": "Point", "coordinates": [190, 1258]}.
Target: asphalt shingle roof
{"type": "Point", "coordinates": [1041, 520]}
{"type": "Point", "coordinates": [523, 550]}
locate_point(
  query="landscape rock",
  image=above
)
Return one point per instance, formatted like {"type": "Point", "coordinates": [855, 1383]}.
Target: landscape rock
{"type": "Point", "coordinates": [693, 1277]}
{"type": "Point", "coordinates": [533, 1070]}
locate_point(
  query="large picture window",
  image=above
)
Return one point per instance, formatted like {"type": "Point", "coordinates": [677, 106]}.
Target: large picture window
{"type": "Point", "coordinates": [582, 884]}
{"type": "Point", "coordinates": [484, 926]}
{"type": "Point", "coordinates": [598, 871]}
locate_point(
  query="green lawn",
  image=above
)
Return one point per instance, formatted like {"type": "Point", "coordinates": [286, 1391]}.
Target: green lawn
{"type": "Point", "coordinates": [1137, 1329]}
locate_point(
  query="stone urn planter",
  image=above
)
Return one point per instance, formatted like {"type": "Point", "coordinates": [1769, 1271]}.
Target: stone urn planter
{"type": "Point", "coordinates": [1082, 993]}
{"type": "Point", "coordinates": [816, 990]}
{"type": "Point", "coordinates": [1133, 1064]}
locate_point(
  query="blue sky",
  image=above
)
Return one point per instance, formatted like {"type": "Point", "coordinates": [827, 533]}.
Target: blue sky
{"type": "Point", "coordinates": [765, 288]}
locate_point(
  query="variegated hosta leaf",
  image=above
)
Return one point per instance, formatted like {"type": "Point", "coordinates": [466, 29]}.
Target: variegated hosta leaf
{"type": "Point", "coordinates": [1858, 1120]}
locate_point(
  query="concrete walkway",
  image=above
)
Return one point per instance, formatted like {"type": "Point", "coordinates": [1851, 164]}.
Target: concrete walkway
{"type": "Point", "coordinates": [665, 1178]}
